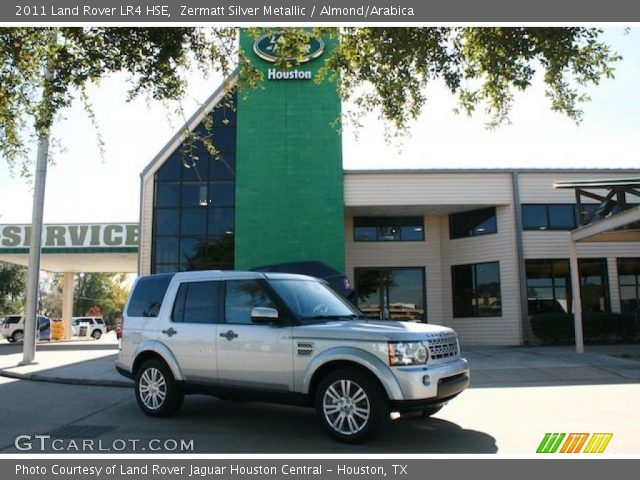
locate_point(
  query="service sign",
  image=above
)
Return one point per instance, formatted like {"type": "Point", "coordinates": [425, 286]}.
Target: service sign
{"type": "Point", "coordinates": [120, 235]}
{"type": "Point", "coordinates": [266, 47]}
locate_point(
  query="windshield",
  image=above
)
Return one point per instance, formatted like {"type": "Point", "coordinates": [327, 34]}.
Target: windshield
{"type": "Point", "coordinates": [311, 300]}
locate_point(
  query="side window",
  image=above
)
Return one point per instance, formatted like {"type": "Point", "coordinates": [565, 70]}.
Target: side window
{"type": "Point", "coordinates": [197, 302]}
{"type": "Point", "coordinates": [147, 295]}
{"type": "Point", "coordinates": [241, 297]}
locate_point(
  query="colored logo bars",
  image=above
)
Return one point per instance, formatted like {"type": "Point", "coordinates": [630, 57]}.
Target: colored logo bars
{"type": "Point", "coordinates": [592, 443]}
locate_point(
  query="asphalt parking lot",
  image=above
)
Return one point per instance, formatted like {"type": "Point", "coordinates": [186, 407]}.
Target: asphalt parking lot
{"type": "Point", "coordinates": [507, 410]}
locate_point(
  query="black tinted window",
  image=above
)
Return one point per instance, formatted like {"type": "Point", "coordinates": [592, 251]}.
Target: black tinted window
{"type": "Point", "coordinates": [14, 319]}
{"type": "Point", "coordinates": [241, 297]}
{"type": "Point", "coordinates": [147, 296]}
{"type": "Point", "coordinates": [388, 229]}
{"type": "Point", "coordinates": [197, 302]}
{"type": "Point", "coordinates": [473, 223]}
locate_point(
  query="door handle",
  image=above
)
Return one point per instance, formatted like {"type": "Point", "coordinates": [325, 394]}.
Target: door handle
{"type": "Point", "coordinates": [171, 332]}
{"type": "Point", "coordinates": [229, 335]}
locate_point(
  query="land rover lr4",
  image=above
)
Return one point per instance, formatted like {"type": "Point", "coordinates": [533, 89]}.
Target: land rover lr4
{"type": "Point", "coordinates": [282, 338]}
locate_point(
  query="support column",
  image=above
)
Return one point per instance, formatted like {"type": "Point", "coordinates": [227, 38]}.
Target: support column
{"type": "Point", "coordinates": [67, 303]}
{"type": "Point", "coordinates": [577, 297]}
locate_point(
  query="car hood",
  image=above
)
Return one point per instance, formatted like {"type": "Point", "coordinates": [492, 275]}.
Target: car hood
{"type": "Point", "coordinates": [375, 330]}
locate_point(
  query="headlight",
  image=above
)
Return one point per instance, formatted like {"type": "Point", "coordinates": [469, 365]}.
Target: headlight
{"type": "Point", "coordinates": [408, 353]}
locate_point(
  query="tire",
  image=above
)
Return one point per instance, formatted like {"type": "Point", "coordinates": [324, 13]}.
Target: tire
{"type": "Point", "coordinates": [157, 392]}
{"type": "Point", "coordinates": [10, 339]}
{"type": "Point", "coordinates": [96, 334]}
{"type": "Point", "coordinates": [431, 410]}
{"type": "Point", "coordinates": [352, 405]}
{"type": "Point", "coordinates": [18, 336]}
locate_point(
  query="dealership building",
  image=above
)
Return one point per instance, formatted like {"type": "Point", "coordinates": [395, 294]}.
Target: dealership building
{"type": "Point", "coordinates": [476, 250]}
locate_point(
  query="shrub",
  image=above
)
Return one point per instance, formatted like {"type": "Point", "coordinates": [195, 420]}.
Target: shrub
{"type": "Point", "coordinates": [557, 328]}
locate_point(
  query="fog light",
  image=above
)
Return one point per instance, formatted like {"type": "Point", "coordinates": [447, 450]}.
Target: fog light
{"type": "Point", "coordinates": [426, 381]}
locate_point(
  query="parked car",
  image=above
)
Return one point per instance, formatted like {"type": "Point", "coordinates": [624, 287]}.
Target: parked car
{"type": "Point", "coordinates": [13, 328]}
{"type": "Point", "coordinates": [283, 338]}
{"type": "Point", "coordinates": [95, 326]}
{"type": "Point", "coordinates": [338, 281]}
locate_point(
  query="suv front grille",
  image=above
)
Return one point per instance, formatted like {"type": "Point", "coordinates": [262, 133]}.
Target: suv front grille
{"type": "Point", "coordinates": [443, 346]}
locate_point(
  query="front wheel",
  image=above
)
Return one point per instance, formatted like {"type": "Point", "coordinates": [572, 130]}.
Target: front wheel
{"type": "Point", "coordinates": [352, 405]}
{"type": "Point", "coordinates": [157, 392]}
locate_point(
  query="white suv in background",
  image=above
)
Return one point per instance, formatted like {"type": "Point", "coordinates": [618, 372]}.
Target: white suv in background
{"type": "Point", "coordinates": [282, 338]}
{"type": "Point", "coordinates": [13, 327]}
{"type": "Point", "coordinates": [95, 326]}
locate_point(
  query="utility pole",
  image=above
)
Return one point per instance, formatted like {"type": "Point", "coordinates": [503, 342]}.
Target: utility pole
{"type": "Point", "coordinates": [35, 244]}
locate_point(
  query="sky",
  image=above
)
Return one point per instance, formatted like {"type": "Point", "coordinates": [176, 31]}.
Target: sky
{"type": "Point", "coordinates": [82, 187]}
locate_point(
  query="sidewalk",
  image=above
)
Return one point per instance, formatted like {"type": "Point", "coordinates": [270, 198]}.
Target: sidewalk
{"type": "Point", "coordinates": [91, 362]}
{"type": "Point", "coordinates": [79, 362]}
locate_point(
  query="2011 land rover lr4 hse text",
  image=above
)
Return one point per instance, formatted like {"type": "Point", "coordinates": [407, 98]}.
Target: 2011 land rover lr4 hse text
{"type": "Point", "coordinates": [282, 338]}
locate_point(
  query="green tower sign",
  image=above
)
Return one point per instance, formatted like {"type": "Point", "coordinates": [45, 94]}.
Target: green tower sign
{"type": "Point", "coordinates": [289, 182]}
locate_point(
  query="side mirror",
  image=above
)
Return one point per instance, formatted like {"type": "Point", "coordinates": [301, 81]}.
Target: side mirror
{"type": "Point", "coordinates": [264, 315]}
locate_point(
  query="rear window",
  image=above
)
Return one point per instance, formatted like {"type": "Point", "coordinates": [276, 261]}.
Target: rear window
{"type": "Point", "coordinates": [147, 295]}
{"type": "Point", "coordinates": [12, 319]}
{"type": "Point", "coordinates": [100, 321]}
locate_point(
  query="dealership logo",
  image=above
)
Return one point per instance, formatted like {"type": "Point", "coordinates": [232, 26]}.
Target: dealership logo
{"type": "Point", "coordinates": [574, 443]}
{"type": "Point", "coordinates": [267, 46]}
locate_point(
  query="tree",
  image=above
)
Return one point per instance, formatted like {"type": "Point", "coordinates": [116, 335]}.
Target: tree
{"type": "Point", "coordinates": [12, 284]}
{"type": "Point", "coordinates": [105, 293]}
{"type": "Point", "coordinates": [483, 67]}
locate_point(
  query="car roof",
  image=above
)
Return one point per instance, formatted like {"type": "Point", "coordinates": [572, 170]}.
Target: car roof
{"type": "Point", "coordinates": [236, 275]}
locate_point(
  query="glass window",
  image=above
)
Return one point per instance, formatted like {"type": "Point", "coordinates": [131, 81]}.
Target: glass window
{"type": "Point", "coordinates": [171, 168]}
{"type": "Point", "coordinates": [385, 229]}
{"type": "Point", "coordinates": [629, 280]}
{"type": "Point", "coordinates": [147, 295]}
{"type": "Point", "coordinates": [392, 293]}
{"type": "Point", "coordinates": [473, 223]}
{"type": "Point", "coordinates": [548, 286]}
{"type": "Point", "coordinates": [594, 288]}
{"type": "Point", "coordinates": [167, 194]}
{"type": "Point", "coordinates": [549, 217]}
{"type": "Point", "coordinates": [222, 194]}
{"type": "Point", "coordinates": [189, 206]}
{"type": "Point", "coordinates": [241, 297]}
{"type": "Point", "coordinates": [312, 300]}
{"type": "Point", "coordinates": [194, 221]}
{"type": "Point", "coordinates": [476, 290]}
{"type": "Point", "coordinates": [166, 250]}
{"type": "Point", "coordinates": [197, 302]}
{"type": "Point", "coordinates": [167, 221]}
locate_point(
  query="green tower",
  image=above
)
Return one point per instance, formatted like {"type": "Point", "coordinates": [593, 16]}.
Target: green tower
{"type": "Point", "coordinates": [289, 181]}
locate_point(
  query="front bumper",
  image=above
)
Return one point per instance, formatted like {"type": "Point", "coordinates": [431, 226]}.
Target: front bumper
{"type": "Point", "coordinates": [433, 384]}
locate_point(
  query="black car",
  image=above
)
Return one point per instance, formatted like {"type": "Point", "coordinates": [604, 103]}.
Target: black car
{"type": "Point", "coordinates": [338, 281]}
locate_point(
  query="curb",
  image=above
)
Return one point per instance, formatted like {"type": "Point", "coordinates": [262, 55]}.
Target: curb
{"type": "Point", "coordinates": [34, 377]}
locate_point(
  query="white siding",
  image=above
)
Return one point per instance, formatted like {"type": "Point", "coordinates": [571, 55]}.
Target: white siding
{"type": "Point", "coordinates": [427, 189]}
{"type": "Point", "coordinates": [501, 247]}
{"type": "Point", "coordinates": [146, 225]}
{"type": "Point", "coordinates": [402, 254]}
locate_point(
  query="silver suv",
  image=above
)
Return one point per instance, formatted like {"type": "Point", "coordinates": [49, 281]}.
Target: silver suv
{"type": "Point", "coordinates": [282, 338]}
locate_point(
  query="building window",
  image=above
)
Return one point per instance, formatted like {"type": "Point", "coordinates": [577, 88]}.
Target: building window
{"type": "Point", "coordinates": [548, 286]}
{"type": "Point", "coordinates": [476, 290]}
{"type": "Point", "coordinates": [388, 229]}
{"type": "Point", "coordinates": [473, 223]}
{"type": "Point", "coordinates": [194, 204]}
{"type": "Point", "coordinates": [395, 293]}
{"type": "Point", "coordinates": [549, 217]}
{"type": "Point", "coordinates": [594, 285]}
{"type": "Point", "coordinates": [629, 281]}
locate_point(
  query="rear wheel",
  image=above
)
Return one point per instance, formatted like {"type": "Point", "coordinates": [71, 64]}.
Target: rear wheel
{"type": "Point", "coordinates": [157, 392]}
{"type": "Point", "coordinates": [96, 334]}
{"type": "Point", "coordinates": [18, 336]}
{"type": "Point", "coordinates": [352, 405]}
